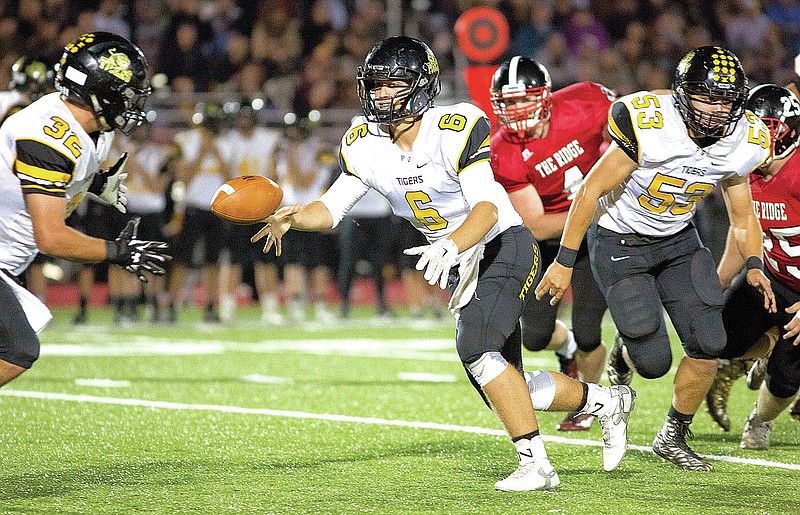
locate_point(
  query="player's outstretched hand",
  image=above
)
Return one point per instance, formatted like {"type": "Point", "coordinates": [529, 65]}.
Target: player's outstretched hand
{"type": "Point", "coordinates": [759, 281]}
{"type": "Point", "coordinates": [278, 223]}
{"type": "Point", "coordinates": [555, 282]}
{"type": "Point", "coordinates": [137, 256]}
{"type": "Point", "coordinates": [436, 259]}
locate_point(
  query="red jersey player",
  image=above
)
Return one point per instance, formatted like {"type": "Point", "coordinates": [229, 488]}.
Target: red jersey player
{"type": "Point", "coordinates": [776, 198]}
{"type": "Point", "coordinates": [546, 143]}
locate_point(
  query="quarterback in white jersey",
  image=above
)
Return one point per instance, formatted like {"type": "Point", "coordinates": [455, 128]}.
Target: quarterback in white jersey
{"type": "Point", "coordinates": [669, 152]}
{"type": "Point", "coordinates": [51, 153]}
{"type": "Point", "coordinates": [432, 165]}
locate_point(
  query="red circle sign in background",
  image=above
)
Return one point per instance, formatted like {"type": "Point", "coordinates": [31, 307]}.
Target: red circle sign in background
{"type": "Point", "coordinates": [482, 34]}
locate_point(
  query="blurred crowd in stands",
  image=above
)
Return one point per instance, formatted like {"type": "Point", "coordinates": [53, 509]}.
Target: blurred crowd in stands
{"type": "Point", "coordinates": [298, 59]}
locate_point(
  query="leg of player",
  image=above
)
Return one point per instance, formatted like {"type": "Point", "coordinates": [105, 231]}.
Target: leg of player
{"type": "Point", "coordinates": [553, 391]}
{"type": "Point", "coordinates": [692, 381]}
{"type": "Point", "coordinates": [9, 371]}
{"type": "Point", "coordinates": [758, 427]}
{"type": "Point", "coordinates": [728, 371]}
{"type": "Point", "coordinates": [510, 399]}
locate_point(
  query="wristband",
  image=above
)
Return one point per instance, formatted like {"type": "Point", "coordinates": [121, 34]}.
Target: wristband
{"type": "Point", "coordinates": [754, 262]}
{"type": "Point", "coordinates": [566, 256]}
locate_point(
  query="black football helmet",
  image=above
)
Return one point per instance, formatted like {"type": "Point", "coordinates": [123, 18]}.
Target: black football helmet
{"type": "Point", "coordinates": [398, 58]}
{"type": "Point", "coordinates": [108, 74]}
{"type": "Point", "coordinates": [716, 75]}
{"type": "Point", "coordinates": [780, 110]}
{"type": "Point", "coordinates": [31, 77]}
{"type": "Point", "coordinates": [521, 94]}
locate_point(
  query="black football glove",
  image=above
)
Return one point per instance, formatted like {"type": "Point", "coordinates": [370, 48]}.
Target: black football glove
{"type": "Point", "coordinates": [137, 256]}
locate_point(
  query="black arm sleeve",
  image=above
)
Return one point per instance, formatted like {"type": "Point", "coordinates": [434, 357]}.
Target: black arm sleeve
{"type": "Point", "coordinates": [620, 127]}
{"type": "Point", "coordinates": [477, 147]}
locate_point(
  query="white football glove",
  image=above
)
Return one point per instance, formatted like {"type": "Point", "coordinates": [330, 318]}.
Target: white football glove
{"type": "Point", "coordinates": [114, 189]}
{"type": "Point", "coordinates": [437, 259]}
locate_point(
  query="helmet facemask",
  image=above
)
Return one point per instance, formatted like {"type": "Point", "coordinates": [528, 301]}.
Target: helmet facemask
{"type": "Point", "coordinates": [520, 110]}
{"type": "Point", "coordinates": [716, 123]}
{"type": "Point", "coordinates": [784, 138]}
{"type": "Point", "coordinates": [126, 113]}
{"type": "Point", "coordinates": [408, 102]}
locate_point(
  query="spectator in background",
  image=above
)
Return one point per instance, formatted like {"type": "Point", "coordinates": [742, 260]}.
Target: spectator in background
{"type": "Point", "coordinates": [786, 15]}
{"type": "Point", "coordinates": [149, 23]}
{"type": "Point", "coordinates": [364, 235]}
{"type": "Point", "coordinates": [317, 88]}
{"type": "Point", "coordinates": [582, 28]}
{"type": "Point", "coordinates": [275, 42]}
{"type": "Point", "coordinates": [110, 17]}
{"type": "Point", "coordinates": [203, 169]}
{"type": "Point", "coordinates": [556, 57]}
{"type": "Point", "coordinates": [147, 200]}
{"type": "Point", "coordinates": [747, 29]}
{"type": "Point", "coordinates": [303, 178]}
{"type": "Point", "coordinates": [182, 57]}
{"type": "Point", "coordinates": [316, 26]}
{"type": "Point", "coordinates": [250, 149]}
{"type": "Point", "coordinates": [531, 36]}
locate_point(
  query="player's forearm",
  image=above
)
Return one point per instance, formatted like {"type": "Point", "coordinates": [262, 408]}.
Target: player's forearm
{"type": "Point", "coordinates": [732, 261]}
{"type": "Point", "coordinates": [67, 243]}
{"type": "Point", "coordinates": [312, 217]}
{"type": "Point", "coordinates": [579, 217]}
{"type": "Point", "coordinates": [478, 223]}
{"type": "Point", "coordinates": [546, 227]}
{"type": "Point", "coordinates": [747, 234]}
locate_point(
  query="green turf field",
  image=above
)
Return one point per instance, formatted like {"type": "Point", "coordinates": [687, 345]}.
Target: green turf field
{"type": "Point", "coordinates": [355, 417]}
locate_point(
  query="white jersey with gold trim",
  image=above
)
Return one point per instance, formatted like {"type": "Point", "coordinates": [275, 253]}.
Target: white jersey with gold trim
{"type": "Point", "coordinates": [674, 173]}
{"type": "Point", "coordinates": [207, 163]}
{"type": "Point", "coordinates": [9, 99]}
{"type": "Point", "coordinates": [427, 185]}
{"type": "Point", "coordinates": [43, 150]}
{"type": "Point", "coordinates": [250, 154]}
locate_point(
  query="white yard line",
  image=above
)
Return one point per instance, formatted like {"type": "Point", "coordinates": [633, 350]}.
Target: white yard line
{"type": "Point", "coordinates": [423, 350]}
{"type": "Point", "coordinates": [343, 418]}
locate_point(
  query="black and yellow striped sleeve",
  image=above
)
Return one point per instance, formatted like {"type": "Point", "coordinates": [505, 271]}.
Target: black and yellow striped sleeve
{"type": "Point", "coordinates": [42, 169]}
{"type": "Point", "coordinates": [477, 147]}
{"type": "Point", "coordinates": [620, 127]}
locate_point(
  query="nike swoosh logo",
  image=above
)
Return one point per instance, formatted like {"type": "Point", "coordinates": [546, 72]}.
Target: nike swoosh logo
{"type": "Point", "coordinates": [619, 258]}
{"type": "Point", "coordinates": [717, 164]}
{"type": "Point", "coordinates": [422, 165]}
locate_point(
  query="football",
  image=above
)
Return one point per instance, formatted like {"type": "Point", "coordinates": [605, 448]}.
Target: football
{"type": "Point", "coordinates": [247, 199]}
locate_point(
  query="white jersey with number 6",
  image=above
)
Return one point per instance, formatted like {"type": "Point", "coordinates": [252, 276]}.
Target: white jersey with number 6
{"type": "Point", "coordinates": [674, 172]}
{"type": "Point", "coordinates": [435, 185]}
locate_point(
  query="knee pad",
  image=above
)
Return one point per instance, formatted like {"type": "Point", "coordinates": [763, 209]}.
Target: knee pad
{"type": "Point", "coordinates": [487, 367]}
{"type": "Point", "coordinates": [635, 306]}
{"type": "Point", "coordinates": [708, 331]}
{"type": "Point", "coordinates": [538, 323]}
{"type": "Point", "coordinates": [542, 387]}
{"type": "Point", "coordinates": [651, 355]}
{"type": "Point", "coordinates": [778, 388]}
